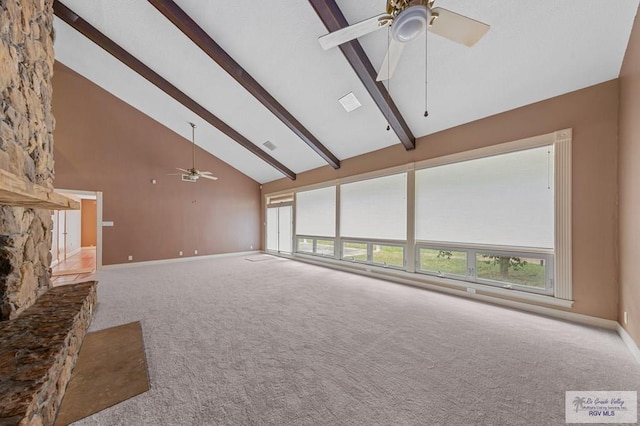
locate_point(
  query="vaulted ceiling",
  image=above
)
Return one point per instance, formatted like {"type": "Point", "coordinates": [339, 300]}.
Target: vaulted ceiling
{"type": "Point", "coordinates": [253, 71]}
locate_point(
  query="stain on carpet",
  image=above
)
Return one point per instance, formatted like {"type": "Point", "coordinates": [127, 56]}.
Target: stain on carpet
{"type": "Point", "coordinates": [111, 368]}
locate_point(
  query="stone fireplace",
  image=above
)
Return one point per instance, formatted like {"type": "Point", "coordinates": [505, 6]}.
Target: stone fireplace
{"type": "Point", "coordinates": [41, 329]}
{"type": "Point", "coordinates": [26, 148]}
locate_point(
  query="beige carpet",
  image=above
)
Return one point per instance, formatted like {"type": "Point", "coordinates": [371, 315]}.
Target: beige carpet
{"type": "Point", "coordinates": [111, 368]}
{"type": "Point", "coordinates": [232, 342]}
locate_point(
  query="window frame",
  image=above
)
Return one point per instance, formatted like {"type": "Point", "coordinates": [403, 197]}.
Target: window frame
{"type": "Point", "coordinates": [369, 244]}
{"type": "Point", "coordinates": [314, 245]}
{"type": "Point", "coordinates": [472, 250]}
{"type": "Point", "coordinates": [560, 260]}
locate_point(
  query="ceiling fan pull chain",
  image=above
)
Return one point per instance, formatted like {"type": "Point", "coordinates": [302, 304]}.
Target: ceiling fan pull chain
{"type": "Point", "coordinates": [426, 72]}
{"type": "Point", "coordinates": [388, 81]}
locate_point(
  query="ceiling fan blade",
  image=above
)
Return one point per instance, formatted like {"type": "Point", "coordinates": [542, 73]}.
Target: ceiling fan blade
{"type": "Point", "coordinates": [351, 32]}
{"type": "Point", "coordinates": [456, 27]}
{"type": "Point", "coordinates": [390, 60]}
{"type": "Point", "coordinates": [205, 173]}
{"type": "Point", "coordinates": [183, 170]}
{"type": "Point", "coordinates": [208, 177]}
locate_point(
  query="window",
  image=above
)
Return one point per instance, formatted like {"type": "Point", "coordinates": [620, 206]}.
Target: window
{"type": "Point", "coordinates": [443, 262]}
{"type": "Point", "coordinates": [305, 245]}
{"type": "Point", "coordinates": [357, 252]}
{"type": "Point", "coordinates": [509, 271]}
{"type": "Point", "coordinates": [317, 246]}
{"type": "Point", "coordinates": [375, 208]}
{"type": "Point", "coordinates": [316, 212]}
{"type": "Point", "coordinates": [498, 216]}
{"type": "Point", "coordinates": [316, 221]}
{"type": "Point", "coordinates": [498, 211]}
{"type": "Point", "coordinates": [503, 200]}
{"type": "Point", "coordinates": [387, 255]}
{"type": "Point", "coordinates": [325, 248]}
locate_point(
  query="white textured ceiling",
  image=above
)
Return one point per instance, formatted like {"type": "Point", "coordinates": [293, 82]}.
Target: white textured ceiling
{"type": "Point", "coordinates": [534, 51]}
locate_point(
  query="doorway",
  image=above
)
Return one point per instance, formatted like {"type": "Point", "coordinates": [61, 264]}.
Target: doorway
{"type": "Point", "coordinates": [279, 229]}
{"type": "Point", "coordinates": [77, 239]}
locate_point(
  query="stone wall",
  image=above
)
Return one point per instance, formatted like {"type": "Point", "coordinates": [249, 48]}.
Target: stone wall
{"type": "Point", "coordinates": [26, 148]}
{"type": "Point", "coordinates": [38, 351]}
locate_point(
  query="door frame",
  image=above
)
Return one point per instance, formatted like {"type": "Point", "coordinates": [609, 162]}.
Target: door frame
{"type": "Point", "coordinates": [98, 196]}
{"type": "Point", "coordinates": [292, 229]}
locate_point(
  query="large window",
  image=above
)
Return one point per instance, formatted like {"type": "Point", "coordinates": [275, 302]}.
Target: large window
{"type": "Point", "coordinates": [316, 221]}
{"type": "Point", "coordinates": [497, 216]}
{"type": "Point", "coordinates": [375, 208]}
{"type": "Point", "coordinates": [505, 200]}
{"type": "Point", "coordinates": [498, 212]}
{"type": "Point", "coordinates": [316, 212]}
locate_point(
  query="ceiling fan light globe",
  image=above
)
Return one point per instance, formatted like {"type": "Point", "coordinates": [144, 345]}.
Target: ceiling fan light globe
{"type": "Point", "coordinates": [410, 24]}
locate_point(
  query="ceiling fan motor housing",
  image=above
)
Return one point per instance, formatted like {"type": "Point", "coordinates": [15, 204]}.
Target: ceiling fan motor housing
{"type": "Point", "coordinates": [411, 23]}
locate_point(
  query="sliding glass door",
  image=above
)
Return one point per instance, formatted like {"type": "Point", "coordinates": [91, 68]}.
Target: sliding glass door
{"type": "Point", "coordinates": [279, 229]}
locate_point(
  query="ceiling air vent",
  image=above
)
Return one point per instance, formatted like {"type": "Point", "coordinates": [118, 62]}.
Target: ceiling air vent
{"type": "Point", "coordinates": [349, 102]}
{"type": "Point", "coordinates": [269, 145]}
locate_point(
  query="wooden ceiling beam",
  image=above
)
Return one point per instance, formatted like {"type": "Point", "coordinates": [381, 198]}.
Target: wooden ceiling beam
{"type": "Point", "coordinates": [332, 17]}
{"type": "Point", "coordinates": [191, 29]}
{"type": "Point", "coordinates": [92, 33]}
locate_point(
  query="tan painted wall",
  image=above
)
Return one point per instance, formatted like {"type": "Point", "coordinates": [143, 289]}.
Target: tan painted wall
{"type": "Point", "coordinates": [629, 181]}
{"type": "Point", "coordinates": [88, 221]}
{"type": "Point", "coordinates": [103, 144]}
{"type": "Point", "coordinates": [593, 115]}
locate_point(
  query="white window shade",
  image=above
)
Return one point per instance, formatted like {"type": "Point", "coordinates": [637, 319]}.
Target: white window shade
{"type": "Point", "coordinates": [506, 199]}
{"type": "Point", "coordinates": [316, 212]}
{"type": "Point", "coordinates": [375, 208]}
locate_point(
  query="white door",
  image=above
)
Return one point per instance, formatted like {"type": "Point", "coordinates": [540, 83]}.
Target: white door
{"type": "Point", "coordinates": [279, 229]}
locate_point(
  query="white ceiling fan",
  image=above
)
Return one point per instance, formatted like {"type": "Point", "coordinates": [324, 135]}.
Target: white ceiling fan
{"type": "Point", "coordinates": [408, 20]}
{"type": "Point", "coordinates": [193, 174]}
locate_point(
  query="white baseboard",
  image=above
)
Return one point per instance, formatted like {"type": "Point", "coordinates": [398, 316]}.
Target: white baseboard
{"type": "Point", "coordinates": [633, 347]}
{"type": "Point", "coordinates": [370, 271]}
{"type": "Point", "coordinates": [74, 252]}
{"type": "Point", "coordinates": [178, 259]}
{"type": "Point", "coordinates": [523, 306]}
{"type": "Point", "coordinates": [56, 262]}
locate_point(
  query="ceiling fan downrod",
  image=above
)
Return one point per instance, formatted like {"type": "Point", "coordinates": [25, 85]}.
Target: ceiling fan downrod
{"type": "Point", "coordinates": [193, 143]}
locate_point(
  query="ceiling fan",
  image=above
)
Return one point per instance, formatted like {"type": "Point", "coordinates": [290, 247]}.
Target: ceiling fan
{"type": "Point", "coordinates": [408, 20]}
{"type": "Point", "coordinates": [193, 174]}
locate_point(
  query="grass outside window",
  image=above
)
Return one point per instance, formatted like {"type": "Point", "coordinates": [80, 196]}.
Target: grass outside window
{"type": "Point", "coordinates": [443, 261]}
{"type": "Point", "coordinates": [529, 272]}
{"type": "Point", "coordinates": [388, 255]}
{"type": "Point", "coordinates": [355, 251]}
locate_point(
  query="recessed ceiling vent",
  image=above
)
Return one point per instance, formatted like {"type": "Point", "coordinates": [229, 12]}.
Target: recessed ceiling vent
{"type": "Point", "coordinates": [349, 102]}
{"type": "Point", "coordinates": [270, 145]}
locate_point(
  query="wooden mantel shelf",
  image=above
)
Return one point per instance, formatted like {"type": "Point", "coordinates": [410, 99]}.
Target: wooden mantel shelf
{"type": "Point", "coordinates": [15, 191]}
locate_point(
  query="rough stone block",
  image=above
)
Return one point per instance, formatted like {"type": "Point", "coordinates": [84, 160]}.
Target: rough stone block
{"type": "Point", "coordinates": [38, 351]}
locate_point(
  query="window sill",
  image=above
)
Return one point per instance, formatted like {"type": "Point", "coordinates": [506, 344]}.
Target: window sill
{"type": "Point", "coordinates": [447, 285]}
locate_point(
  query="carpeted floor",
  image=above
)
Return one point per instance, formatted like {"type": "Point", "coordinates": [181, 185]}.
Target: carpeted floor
{"type": "Point", "coordinates": [232, 342]}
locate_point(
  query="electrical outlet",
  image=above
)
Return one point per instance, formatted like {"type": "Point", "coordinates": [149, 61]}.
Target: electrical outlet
{"type": "Point", "coordinates": [180, 252]}
{"type": "Point", "coordinates": [471, 290]}
{"type": "Point", "coordinates": [195, 252]}
{"type": "Point", "coordinates": [626, 317]}
{"type": "Point", "coordinates": [130, 257]}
